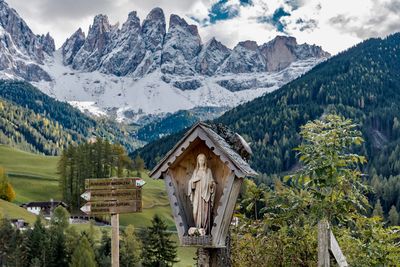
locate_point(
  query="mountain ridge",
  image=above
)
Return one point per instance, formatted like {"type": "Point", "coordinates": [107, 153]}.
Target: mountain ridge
{"type": "Point", "coordinates": [143, 68]}
{"type": "Point", "coordinates": [361, 83]}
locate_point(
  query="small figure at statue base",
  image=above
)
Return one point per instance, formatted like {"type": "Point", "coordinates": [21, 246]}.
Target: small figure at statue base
{"type": "Point", "coordinates": [193, 231]}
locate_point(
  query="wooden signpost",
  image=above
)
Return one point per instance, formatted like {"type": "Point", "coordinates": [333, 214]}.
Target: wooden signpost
{"type": "Point", "coordinates": [113, 196]}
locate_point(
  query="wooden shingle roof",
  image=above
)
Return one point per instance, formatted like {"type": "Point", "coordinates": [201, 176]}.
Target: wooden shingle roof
{"type": "Point", "coordinates": [219, 146]}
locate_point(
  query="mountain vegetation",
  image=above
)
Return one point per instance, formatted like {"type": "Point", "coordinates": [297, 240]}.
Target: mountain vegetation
{"type": "Point", "coordinates": [327, 187]}
{"type": "Point", "coordinates": [7, 192]}
{"type": "Point", "coordinates": [98, 159]}
{"type": "Point", "coordinates": [362, 83]}
{"type": "Point", "coordinates": [59, 244]}
{"type": "Point", "coordinates": [166, 126]}
{"type": "Point", "coordinates": [33, 121]}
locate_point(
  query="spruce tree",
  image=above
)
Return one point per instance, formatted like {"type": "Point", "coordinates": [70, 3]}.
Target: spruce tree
{"type": "Point", "coordinates": [38, 251]}
{"type": "Point", "coordinates": [104, 250]}
{"type": "Point", "coordinates": [6, 248]}
{"type": "Point", "coordinates": [393, 216]}
{"type": "Point", "coordinates": [158, 248]}
{"type": "Point", "coordinates": [83, 255]}
{"type": "Point", "coordinates": [58, 256]}
{"type": "Point", "coordinates": [130, 248]}
{"type": "Point", "coordinates": [378, 211]}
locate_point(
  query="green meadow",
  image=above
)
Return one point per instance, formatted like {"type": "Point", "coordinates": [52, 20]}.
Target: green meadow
{"type": "Point", "coordinates": [34, 178]}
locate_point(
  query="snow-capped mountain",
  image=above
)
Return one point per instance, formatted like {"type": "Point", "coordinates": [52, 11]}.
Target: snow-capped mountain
{"type": "Point", "coordinates": [143, 69]}
{"type": "Point", "coordinates": [21, 51]}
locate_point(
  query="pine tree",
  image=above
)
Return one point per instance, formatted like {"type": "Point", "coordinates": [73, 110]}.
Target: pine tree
{"type": "Point", "coordinates": [6, 248]}
{"type": "Point", "coordinates": [393, 216]}
{"type": "Point", "coordinates": [158, 248]}
{"type": "Point", "coordinates": [104, 250]}
{"type": "Point", "coordinates": [378, 211]}
{"type": "Point", "coordinates": [139, 164]}
{"type": "Point", "coordinates": [130, 248]}
{"type": "Point", "coordinates": [83, 255]}
{"type": "Point", "coordinates": [38, 244]}
{"type": "Point", "coordinates": [58, 256]}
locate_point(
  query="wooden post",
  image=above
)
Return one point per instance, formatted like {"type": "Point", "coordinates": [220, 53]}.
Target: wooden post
{"type": "Point", "coordinates": [323, 244]}
{"type": "Point", "coordinates": [204, 256]}
{"type": "Point", "coordinates": [336, 251]}
{"type": "Point", "coordinates": [115, 240]}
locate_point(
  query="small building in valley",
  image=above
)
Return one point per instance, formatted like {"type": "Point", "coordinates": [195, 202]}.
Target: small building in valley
{"type": "Point", "coordinates": [43, 207]}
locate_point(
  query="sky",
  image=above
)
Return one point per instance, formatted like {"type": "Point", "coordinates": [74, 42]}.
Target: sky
{"type": "Point", "coordinates": [333, 24]}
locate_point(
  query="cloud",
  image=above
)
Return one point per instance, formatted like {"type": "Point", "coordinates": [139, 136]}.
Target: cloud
{"type": "Point", "coordinates": [275, 19]}
{"type": "Point", "coordinates": [382, 18]}
{"type": "Point", "coordinates": [335, 25]}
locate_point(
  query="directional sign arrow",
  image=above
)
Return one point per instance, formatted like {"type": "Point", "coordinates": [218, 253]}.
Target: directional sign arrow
{"type": "Point", "coordinates": [112, 207]}
{"type": "Point", "coordinates": [86, 208]}
{"type": "Point", "coordinates": [140, 182]}
{"type": "Point", "coordinates": [112, 194]}
{"type": "Point", "coordinates": [86, 195]}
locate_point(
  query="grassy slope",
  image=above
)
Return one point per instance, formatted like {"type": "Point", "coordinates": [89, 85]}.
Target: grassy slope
{"type": "Point", "coordinates": [34, 178]}
{"type": "Point", "coordinates": [13, 211]}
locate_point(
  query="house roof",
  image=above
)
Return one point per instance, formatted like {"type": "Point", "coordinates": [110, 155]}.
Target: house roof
{"type": "Point", "coordinates": [44, 204]}
{"type": "Point", "coordinates": [221, 148]}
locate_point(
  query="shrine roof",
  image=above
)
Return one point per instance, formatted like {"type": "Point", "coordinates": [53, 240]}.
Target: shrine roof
{"type": "Point", "coordinates": [214, 141]}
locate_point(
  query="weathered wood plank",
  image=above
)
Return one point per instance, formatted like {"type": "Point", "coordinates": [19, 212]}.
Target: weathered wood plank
{"type": "Point", "coordinates": [221, 211]}
{"type": "Point", "coordinates": [226, 223]}
{"type": "Point", "coordinates": [336, 251]}
{"type": "Point", "coordinates": [323, 244]}
{"type": "Point", "coordinates": [115, 240]}
{"type": "Point", "coordinates": [177, 212]}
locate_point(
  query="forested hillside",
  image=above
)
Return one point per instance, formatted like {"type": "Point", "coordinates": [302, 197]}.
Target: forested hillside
{"type": "Point", "coordinates": [362, 83]}
{"type": "Point", "coordinates": [33, 121]}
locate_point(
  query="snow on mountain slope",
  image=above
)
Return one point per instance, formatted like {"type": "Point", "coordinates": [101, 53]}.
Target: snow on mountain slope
{"type": "Point", "coordinates": [142, 70]}
{"type": "Point", "coordinates": [128, 99]}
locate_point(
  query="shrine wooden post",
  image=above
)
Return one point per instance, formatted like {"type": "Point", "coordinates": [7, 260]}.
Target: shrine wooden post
{"type": "Point", "coordinates": [224, 156]}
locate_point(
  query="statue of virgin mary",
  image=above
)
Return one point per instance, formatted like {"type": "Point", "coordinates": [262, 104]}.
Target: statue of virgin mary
{"type": "Point", "coordinates": [201, 191]}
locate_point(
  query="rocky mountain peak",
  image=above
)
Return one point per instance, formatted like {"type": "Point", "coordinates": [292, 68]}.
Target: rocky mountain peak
{"type": "Point", "coordinates": [72, 46]}
{"type": "Point", "coordinates": [250, 45]}
{"type": "Point", "coordinates": [244, 58]}
{"type": "Point", "coordinates": [139, 49]}
{"type": "Point", "coordinates": [156, 14]}
{"type": "Point", "coordinates": [280, 52]}
{"type": "Point", "coordinates": [132, 23]}
{"type": "Point", "coordinates": [282, 39]}
{"type": "Point", "coordinates": [154, 29]}
{"type": "Point", "coordinates": [47, 43]}
{"type": "Point", "coordinates": [22, 52]}
{"type": "Point", "coordinates": [211, 56]}
{"type": "Point", "coordinates": [181, 47]}
{"type": "Point", "coordinates": [175, 20]}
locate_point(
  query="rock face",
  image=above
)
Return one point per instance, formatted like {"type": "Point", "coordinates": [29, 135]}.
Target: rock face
{"type": "Point", "coordinates": [211, 57]}
{"type": "Point", "coordinates": [22, 52]}
{"type": "Point", "coordinates": [182, 45]}
{"type": "Point", "coordinates": [72, 45]}
{"type": "Point", "coordinates": [245, 58]}
{"type": "Point", "coordinates": [282, 51]}
{"type": "Point", "coordinates": [139, 49]}
{"type": "Point", "coordinates": [127, 49]}
{"type": "Point", "coordinates": [144, 69]}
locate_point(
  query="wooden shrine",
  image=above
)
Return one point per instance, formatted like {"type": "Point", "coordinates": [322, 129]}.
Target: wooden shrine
{"type": "Point", "coordinates": [203, 174]}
